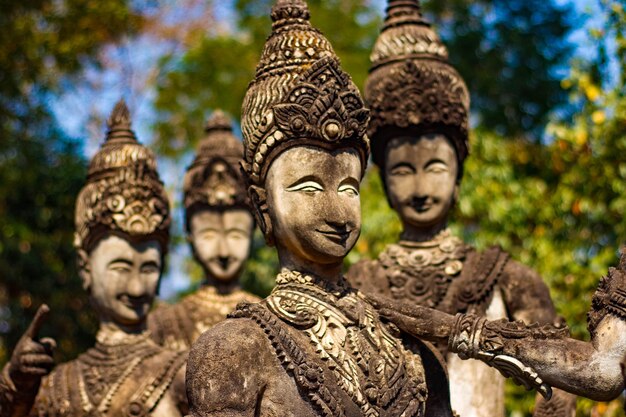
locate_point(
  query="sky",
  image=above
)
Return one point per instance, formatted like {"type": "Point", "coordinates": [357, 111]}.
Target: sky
{"type": "Point", "coordinates": [130, 70]}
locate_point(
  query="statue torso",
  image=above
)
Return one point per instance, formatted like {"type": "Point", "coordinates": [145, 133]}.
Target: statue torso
{"type": "Point", "coordinates": [178, 326]}
{"type": "Point", "coordinates": [329, 353]}
{"type": "Point", "coordinates": [130, 379]}
{"type": "Point", "coordinates": [445, 274]}
{"type": "Point", "coordinates": [448, 275]}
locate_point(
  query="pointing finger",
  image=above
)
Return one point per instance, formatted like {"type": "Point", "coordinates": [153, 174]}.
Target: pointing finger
{"type": "Point", "coordinates": [39, 319]}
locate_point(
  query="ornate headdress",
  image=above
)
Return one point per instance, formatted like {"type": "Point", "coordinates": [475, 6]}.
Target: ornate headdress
{"type": "Point", "coordinates": [411, 84]}
{"type": "Point", "coordinates": [610, 297]}
{"type": "Point", "coordinates": [214, 178]}
{"type": "Point", "coordinates": [300, 96]}
{"type": "Point", "coordinates": [123, 193]}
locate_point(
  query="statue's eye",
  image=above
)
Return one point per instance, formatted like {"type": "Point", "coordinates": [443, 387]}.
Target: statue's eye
{"type": "Point", "coordinates": [348, 190]}
{"type": "Point", "coordinates": [401, 170]}
{"type": "Point", "coordinates": [307, 187]}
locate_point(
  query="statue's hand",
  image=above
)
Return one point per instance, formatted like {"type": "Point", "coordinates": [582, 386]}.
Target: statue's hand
{"type": "Point", "coordinates": [32, 358]}
{"type": "Point", "coordinates": [417, 321]}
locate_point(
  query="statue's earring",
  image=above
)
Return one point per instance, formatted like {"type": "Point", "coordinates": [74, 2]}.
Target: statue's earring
{"type": "Point", "coordinates": [258, 196]}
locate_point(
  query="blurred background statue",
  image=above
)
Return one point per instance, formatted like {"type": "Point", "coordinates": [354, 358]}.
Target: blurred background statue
{"type": "Point", "coordinates": [419, 132]}
{"type": "Point", "coordinates": [122, 233]}
{"type": "Point", "coordinates": [219, 229]}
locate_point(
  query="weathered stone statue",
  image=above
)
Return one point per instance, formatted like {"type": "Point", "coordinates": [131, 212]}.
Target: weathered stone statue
{"type": "Point", "coordinates": [419, 133]}
{"type": "Point", "coordinates": [543, 356]}
{"type": "Point", "coordinates": [220, 228]}
{"type": "Point", "coordinates": [122, 232]}
{"type": "Point", "coordinates": [315, 346]}
{"type": "Point", "coordinates": [21, 377]}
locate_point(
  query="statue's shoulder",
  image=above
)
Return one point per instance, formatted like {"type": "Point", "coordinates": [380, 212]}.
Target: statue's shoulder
{"type": "Point", "coordinates": [229, 367]}
{"type": "Point", "coordinates": [235, 343]}
{"type": "Point", "coordinates": [171, 326]}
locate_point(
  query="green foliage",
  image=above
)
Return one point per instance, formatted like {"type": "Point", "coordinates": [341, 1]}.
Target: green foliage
{"type": "Point", "coordinates": [509, 53]}
{"type": "Point", "coordinates": [215, 72]}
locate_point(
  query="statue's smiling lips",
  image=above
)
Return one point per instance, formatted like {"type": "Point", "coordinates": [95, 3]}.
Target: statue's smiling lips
{"type": "Point", "coordinates": [336, 236]}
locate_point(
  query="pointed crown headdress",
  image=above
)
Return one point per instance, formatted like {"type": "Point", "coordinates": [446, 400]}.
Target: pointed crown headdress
{"type": "Point", "coordinates": [214, 178]}
{"type": "Point", "coordinates": [412, 88]}
{"type": "Point", "coordinates": [300, 95]}
{"type": "Point", "coordinates": [123, 193]}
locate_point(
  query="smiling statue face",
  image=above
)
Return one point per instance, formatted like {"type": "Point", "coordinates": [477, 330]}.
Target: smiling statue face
{"type": "Point", "coordinates": [123, 279]}
{"type": "Point", "coordinates": [314, 204]}
{"type": "Point", "coordinates": [221, 241]}
{"type": "Point", "coordinates": [421, 177]}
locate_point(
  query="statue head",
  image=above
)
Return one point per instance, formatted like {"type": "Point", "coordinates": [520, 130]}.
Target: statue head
{"type": "Point", "coordinates": [418, 103]}
{"type": "Point", "coordinates": [122, 226]}
{"type": "Point", "coordinates": [218, 220]}
{"type": "Point", "coordinates": [305, 145]}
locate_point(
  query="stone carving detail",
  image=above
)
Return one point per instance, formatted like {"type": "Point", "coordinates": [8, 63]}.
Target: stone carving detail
{"type": "Point", "coordinates": [324, 106]}
{"type": "Point", "coordinates": [123, 191]}
{"type": "Point", "coordinates": [477, 338]}
{"type": "Point", "coordinates": [90, 385]}
{"type": "Point", "coordinates": [367, 362]}
{"type": "Point", "coordinates": [610, 297]}
{"type": "Point", "coordinates": [411, 84]}
{"type": "Point", "coordinates": [214, 178]}
{"type": "Point", "coordinates": [439, 274]}
{"type": "Point", "coordinates": [308, 374]}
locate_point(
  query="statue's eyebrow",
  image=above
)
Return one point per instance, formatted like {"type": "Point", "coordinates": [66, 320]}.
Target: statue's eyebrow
{"type": "Point", "coordinates": [436, 161]}
{"type": "Point", "coordinates": [121, 261]}
{"type": "Point", "coordinates": [306, 178]}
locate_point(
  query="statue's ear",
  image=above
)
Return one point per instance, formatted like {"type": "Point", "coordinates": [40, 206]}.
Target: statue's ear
{"type": "Point", "coordinates": [457, 193]}
{"type": "Point", "coordinates": [258, 197]}
{"type": "Point", "coordinates": [84, 270]}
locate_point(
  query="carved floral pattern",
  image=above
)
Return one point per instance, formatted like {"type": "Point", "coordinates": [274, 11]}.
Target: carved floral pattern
{"type": "Point", "coordinates": [422, 272]}
{"type": "Point", "coordinates": [609, 298]}
{"type": "Point", "coordinates": [99, 382]}
{"type": "Point", "coordinates": [369, 364]}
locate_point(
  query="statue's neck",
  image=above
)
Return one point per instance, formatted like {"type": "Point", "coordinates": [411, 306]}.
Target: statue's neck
{"type": "Point", "coordinates": [111, 333]}
{"type": "Point", "coordinates": [330, 272]}
{"type": "Point", "coordinates": [222, 287]}
{"type": "Point", "coordinates": [412, 233]}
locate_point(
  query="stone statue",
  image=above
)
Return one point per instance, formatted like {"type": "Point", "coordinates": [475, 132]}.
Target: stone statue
{"type": "Point", "coordinates": [21, 377]}
{"type": "Point", "coordinates": [537, 356]}
{"type": "Point", "coordinates": [419, 131]}
{"type": "Point", "coordinates": [122, 233]}
{"type": "Point", "coordinates": [220, 228]}
{"type": "Point", "coordinates": [315, 346]}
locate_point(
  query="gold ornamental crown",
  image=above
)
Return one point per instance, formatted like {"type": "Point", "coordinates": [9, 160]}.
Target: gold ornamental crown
{"type": "Point", "coordinates": [214, 178]}
{"type": "Point", "coordinates": [123, 193]}
{"type": "Point", "coordinates": [412, 86]}
{"type": "Point", "coordinates": [300, 95]}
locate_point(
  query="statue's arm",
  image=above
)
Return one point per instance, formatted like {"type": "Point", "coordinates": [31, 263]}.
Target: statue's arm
{"type": "Point", "coordinates": [589, 369]}
{"type": "Point", "coordinates": [526, 295]}
{"type": "Point", "coordinates": [225, 371]}
{"type": "Point", "coordinates": [527, 298]}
